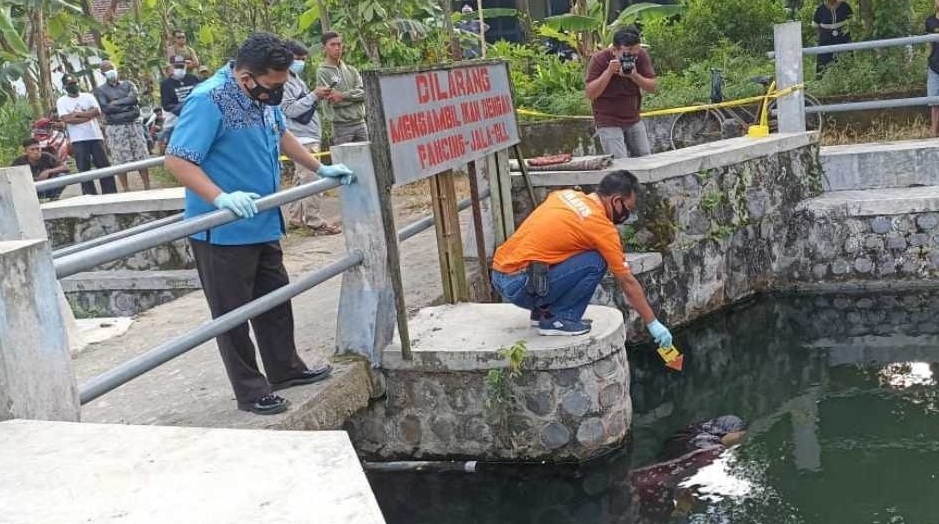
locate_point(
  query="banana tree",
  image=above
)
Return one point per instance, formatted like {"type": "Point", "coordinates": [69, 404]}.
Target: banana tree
{"type": "Point", "coordinates": [587, 27]}
{"type": "Point", "coordinates": [370, 27]}
{"type": "Point", "coordinates": [31, 31]}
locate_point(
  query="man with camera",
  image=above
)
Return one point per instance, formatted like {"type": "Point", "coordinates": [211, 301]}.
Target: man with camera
{"type": "Point", "coordinates": [616, 78]}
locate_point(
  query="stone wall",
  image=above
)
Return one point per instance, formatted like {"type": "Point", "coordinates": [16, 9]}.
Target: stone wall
{"type": "Point", "coordinates": [578, 136]}
{"type": "Point", "coordinates": [65, 231]}
{"type": "Point", "coordinates": [125, 293]}
{"type": "Point", "coordinates": [716, 216]}
{"type": "Point", "coordinates": [825, 247]}
{"type": "Point", "coordinates": [568, 402]}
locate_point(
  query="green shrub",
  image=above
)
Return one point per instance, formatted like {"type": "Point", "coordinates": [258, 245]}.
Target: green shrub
{"type": "Point", "coordinates": [15, 120]}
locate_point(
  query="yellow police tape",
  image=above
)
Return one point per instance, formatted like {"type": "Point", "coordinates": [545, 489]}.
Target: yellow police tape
{"type": "Point", "coordinates": [321, 154]}
{"type": "Point", "coordinates": [680, 110]}
{"type": "Point", "coordinates": [657, 112]}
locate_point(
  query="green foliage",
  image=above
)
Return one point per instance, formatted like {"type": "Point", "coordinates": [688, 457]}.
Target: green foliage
{"type": "Point", "coordinates": [865, 73]}
{"type": "Point", "coordinates": [501, 388]}
{"type": "Point", "coordinates": [676, 43]}
{"type": "Point", "coordinates": [541, 81]}
{"type": "Point", "coordinates": [15, 118]}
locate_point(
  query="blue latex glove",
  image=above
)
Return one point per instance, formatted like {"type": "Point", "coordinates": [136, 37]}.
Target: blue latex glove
{"type": "Point", "coordinates": [340, 171]}
{"type": "Point", "coordinates": [661, 334]}
{"type": "Point", "coordinates": [239, 202]}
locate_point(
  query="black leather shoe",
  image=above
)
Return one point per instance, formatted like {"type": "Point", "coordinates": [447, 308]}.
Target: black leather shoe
{"type": "Point", "coordinates": [266, 405]}
{"type": "Point", "coordinates": [308, 377]}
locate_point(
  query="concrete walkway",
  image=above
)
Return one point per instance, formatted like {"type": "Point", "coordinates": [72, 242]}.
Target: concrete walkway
{"type": "Point", "coordinates": [193, 390]}
{"type": "Point", "coordinates": [67, 473]}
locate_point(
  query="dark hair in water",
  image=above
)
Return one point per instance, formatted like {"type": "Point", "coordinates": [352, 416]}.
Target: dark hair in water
{"type": "Point", "coordinates": [263, 52]}
{"type": "Point", "coordinates": [622, 183]}
{"type": "Point", "coordinates": [626, 37]}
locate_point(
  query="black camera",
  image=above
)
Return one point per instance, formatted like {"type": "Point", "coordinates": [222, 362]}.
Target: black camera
{"type": "Point", "coordinates": [628, 63]}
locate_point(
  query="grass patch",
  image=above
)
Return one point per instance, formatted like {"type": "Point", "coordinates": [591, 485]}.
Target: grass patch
{"type": "Point", "coordinates": [879, 130]}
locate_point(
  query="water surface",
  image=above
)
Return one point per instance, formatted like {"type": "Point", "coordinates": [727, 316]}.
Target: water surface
{"type": "Point", "coordinates": [840, 394]}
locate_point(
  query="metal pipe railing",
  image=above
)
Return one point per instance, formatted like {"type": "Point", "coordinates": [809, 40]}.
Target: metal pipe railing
{"type": "Point", "coordinates": [117, 235]}
{"type": "Point", "coordinates": [133, 368]}
{"type": "Point", "coordinates": [874, 104]}
{"type": "Point", "coordinates": [867, 44]}
{"type": "Point", "coordinates": [78, 262]}
{"type": "Point", "coordinates": [421, 224]}
{"type": "Point", "coordinates": [94, 174]}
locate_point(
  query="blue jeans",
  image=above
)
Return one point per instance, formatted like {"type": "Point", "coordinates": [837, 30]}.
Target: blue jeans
{"type": "Point", "coordinates": [570, 286]}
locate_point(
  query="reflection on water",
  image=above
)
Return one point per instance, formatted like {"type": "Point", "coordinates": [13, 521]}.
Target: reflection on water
{"type": "Point", "coordinates": [840, 395]}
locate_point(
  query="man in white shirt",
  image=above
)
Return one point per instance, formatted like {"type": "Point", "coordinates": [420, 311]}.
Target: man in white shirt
{"type": "Point", "coordinates": [80, 112]}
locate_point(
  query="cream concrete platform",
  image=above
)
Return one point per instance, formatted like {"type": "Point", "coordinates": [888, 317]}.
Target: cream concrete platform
{"type": "Point", "coordinates": [467, 337]}
{"type": "Point", "coordinates": [84, 206]}
{"type": "Point", "coordinates": [70, 473]}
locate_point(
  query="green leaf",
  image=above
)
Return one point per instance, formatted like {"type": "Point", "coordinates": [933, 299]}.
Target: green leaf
{"type": "Point", "coordinates": [10, 35]}
{"type": "Point", "coordinates": [572, 22]}
{"type": "Point", "coordinates": [308, 18]}
{"type": "Point", "coordinates": [206, 35]}
{"type": "Point", "coordinates": [55, 5]}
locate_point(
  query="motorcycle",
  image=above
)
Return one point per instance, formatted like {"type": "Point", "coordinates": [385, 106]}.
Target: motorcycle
{"type": "Point", "coordinates": [52, 138]}
{"type": "Point", "coordinates": [153, 126]}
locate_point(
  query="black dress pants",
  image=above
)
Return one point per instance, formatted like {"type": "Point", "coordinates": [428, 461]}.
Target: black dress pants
{"type": "Point", "coordinates": [231, 277]}
{"type": "Point", "coordinates": [87, 152]}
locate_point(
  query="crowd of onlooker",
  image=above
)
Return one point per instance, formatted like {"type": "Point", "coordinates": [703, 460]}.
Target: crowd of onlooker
{"type": "Point", "coordinates": [106, 126]}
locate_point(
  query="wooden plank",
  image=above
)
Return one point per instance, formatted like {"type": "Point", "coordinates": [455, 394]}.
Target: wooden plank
{"type": "Point", "coordinates": [478, 232]}
{"type": "Point", "coordinates": [449, 241]}
{"type": "Point", "coordinates": [495, 200]}
{"type": "Point", "coordinates": [505, 190]}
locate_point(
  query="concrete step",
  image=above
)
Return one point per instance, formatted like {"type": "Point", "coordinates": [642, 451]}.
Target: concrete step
{"type": "Point", "coordinates": [168, 199]}
{"type": "Point", "coordinates": [125, 293]}
{"type": "Point", "coordinates": [875, 202]}
{"type": "Point", "coordinates": [881, 165]}
{"type": "Point", "coordinates": [144, 474]}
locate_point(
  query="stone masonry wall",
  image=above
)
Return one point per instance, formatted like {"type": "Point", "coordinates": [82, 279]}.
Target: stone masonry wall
{"type": "Point", "coordinates": [569, 413]}
{"type": "Point", "coordinates": [67, 231]}
{"type": "Point", "coordinates": [718, 231]}
{"type": "Point", "coordinates": [829, 248]}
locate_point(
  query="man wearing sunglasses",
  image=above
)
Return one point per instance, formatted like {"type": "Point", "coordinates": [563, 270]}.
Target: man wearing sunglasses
{"type": "Point", "coordinates": [573, 236]}
{"type": "Point", "coordinates": [179, 49]}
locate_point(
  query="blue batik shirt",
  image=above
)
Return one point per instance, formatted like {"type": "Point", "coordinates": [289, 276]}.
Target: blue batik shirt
{"type": "Point", "coordinates": [236, 141]}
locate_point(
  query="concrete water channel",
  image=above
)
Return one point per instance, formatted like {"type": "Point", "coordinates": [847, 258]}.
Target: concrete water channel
{"type": "Point", "coordinates": [839, 391]}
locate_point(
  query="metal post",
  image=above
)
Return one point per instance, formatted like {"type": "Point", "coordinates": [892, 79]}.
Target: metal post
{"type": "Point", "coordinates": [787, 39]}
{"type": "Point", "coordinates": [367, 306]}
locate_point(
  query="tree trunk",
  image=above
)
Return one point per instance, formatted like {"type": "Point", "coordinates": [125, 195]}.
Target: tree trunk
{"type": "Point", "coordinates": [455, 52]}
{"type": "Point", "coordinates": [867, 17]}
{"type": "Point", "coordinates": [37, 21]}
{"type": "Point", "coordinates": [32, 95]}
{"type": "Point", "coordinates": [324, 15]}
{"type": "Point", "coordinates": [524, 20]}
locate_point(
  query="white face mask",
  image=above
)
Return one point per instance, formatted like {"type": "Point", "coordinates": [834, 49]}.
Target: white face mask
{"type": "Point", "coordinates": [178, 74]}
{"type": "Point", "coordinates": [111, 74]}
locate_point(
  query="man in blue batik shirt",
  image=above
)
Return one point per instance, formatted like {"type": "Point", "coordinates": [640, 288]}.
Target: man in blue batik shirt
{"type": "Point", "coordinates": [225, 149]}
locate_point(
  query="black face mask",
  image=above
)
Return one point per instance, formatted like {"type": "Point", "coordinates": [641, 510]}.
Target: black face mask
{"type": "Point", "coordinates": [72, 89]}
{"type": "Point", "coordinates": [619, 216]}
{"type": "Point", "coordinates": [274, 96]}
